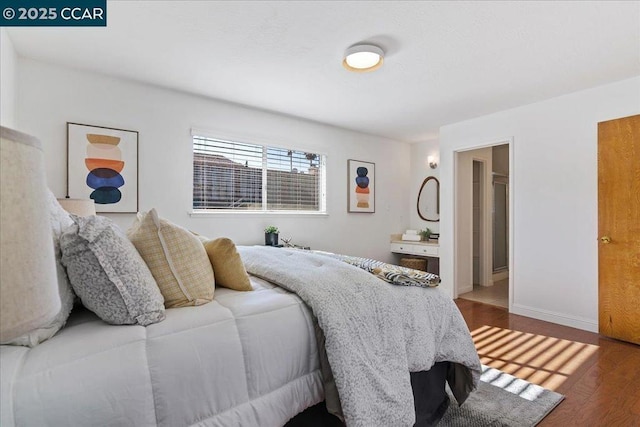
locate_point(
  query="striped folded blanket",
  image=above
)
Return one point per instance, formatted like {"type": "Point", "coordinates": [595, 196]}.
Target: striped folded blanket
{"type": "Point", "coordinates": [391, 273]}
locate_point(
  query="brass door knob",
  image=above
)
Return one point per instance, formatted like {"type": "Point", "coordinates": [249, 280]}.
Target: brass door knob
{"type": "Point", "coordinates": [605, 239]}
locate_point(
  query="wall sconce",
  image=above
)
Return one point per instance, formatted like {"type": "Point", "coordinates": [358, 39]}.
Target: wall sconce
{"type": "Point", "coordinates": [432, 162]}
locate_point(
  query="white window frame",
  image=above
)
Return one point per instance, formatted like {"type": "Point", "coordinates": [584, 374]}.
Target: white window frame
{"type": "Point", "coordinates": [322, 208]}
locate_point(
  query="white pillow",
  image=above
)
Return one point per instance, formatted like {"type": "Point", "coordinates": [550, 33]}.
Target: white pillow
{"type": "Point", "coordinates": [60, 219]}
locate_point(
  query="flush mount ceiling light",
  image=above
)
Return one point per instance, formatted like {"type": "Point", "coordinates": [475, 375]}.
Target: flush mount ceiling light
{"type": "Point", "coordinates": [363, 57]}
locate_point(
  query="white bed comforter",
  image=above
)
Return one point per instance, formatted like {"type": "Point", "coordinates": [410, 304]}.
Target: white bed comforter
{"type": "Point", "coordinates": [245, 359]}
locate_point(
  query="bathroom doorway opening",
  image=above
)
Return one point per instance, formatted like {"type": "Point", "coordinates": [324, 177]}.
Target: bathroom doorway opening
{"type": "Point", "coordinates": [483, 225]}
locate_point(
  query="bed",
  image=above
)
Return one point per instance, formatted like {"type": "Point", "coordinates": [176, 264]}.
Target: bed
{"type": "Point", "coordinates": [245, 359]}
{"type": "Point", "coordinates": [140, 332]}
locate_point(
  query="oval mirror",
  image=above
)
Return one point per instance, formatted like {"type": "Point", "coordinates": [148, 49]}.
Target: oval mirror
{"type": "Point", "coordinates": [429, 199]}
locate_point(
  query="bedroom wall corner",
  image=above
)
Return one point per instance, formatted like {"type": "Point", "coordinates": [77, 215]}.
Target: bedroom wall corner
{"type": "Point", "coordinates": [8, 60]}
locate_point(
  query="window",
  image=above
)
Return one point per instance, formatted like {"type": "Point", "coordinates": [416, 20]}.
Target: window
{"type": "Point", "coordinates": [229, 175]}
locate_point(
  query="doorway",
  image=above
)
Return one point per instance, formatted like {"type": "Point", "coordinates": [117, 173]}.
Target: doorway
{"type": "Point", "coordinates": [482, 224]}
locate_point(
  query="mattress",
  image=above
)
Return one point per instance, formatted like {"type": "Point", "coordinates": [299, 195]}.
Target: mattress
{"type": "Point", "coordinates": [245, 359]}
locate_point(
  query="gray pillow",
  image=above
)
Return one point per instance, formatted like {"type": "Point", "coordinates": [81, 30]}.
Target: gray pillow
{"type": "Point", "coordinates": [108, 274]}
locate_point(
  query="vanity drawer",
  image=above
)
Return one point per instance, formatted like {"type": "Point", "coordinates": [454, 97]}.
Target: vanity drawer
{"type": "Point", "coordinates": [415, 249]}
{"type": "Point", "coordinates": [425, 250]}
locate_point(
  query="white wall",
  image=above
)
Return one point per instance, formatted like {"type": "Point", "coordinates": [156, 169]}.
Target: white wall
{"type": "Point", "coordinates": [50, 96]}
{"type": "Point", "coordinates": [554, 191]}
{"type": "Point", "coordinates": [8, 60]}
{"type": "Point", "coordinates": [420, 170]}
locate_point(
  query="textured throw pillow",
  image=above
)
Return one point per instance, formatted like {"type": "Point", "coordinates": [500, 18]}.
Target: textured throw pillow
{"type": "Point", "coordinates": [107, 273]}
{"type": "Point", "coordinates": [176, 258]}
{"type": "Point", "coordinates": [60, 220]}
{"type": "Point", "coordinates": [227, 264]}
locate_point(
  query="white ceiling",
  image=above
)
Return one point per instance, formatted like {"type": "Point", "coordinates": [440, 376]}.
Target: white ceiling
{"type": "Point", "coordinates": [445, 61]}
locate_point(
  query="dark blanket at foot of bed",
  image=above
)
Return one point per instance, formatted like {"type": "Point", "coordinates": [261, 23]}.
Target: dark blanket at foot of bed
{"type": "Point", "coordinates": [430, 399]}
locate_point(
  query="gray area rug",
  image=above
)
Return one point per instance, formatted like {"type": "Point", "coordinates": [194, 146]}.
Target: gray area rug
{"type": "Point", "coordinates": [501, 400]}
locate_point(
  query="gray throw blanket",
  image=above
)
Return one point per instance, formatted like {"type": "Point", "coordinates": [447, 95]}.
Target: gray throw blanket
{"type": "Point", "coordinates": [375, 332]}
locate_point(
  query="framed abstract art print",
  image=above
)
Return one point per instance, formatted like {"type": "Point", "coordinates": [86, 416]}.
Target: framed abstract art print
{"type": "Point", "coordinates": [102, 164]}
{"type": "Point", "coordinates": [361, 186]}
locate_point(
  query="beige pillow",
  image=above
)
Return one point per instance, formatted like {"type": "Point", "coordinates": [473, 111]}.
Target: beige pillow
{"type": "Point", "coordinates": [176, 259]}
{"type": "Point", "coordinates": [203, 239]}
{"type": "Point", "coordinates": [227, 264]}
{"type": "Point", "coordinates": [60, 220]}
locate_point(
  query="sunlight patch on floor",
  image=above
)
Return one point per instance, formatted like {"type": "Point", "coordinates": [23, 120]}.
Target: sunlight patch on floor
{"type": "Point", "coordinates": [539, 359]}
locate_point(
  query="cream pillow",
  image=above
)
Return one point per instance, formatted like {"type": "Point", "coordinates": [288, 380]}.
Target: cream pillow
{"type": "Point", "coordinates": [176, 259]}
{"type": "Point", "coordinates": [227, 264]}
{"type": "Point", "coordinates": [60, 220]}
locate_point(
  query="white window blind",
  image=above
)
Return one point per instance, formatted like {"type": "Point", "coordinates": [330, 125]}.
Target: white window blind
{"type": "Point", "coordinates": [229, 175]}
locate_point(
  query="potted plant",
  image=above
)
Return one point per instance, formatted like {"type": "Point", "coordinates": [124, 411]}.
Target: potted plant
{"type": "Point", "coordinates": [425, 234]}
{"type": "Point", "coordinates": [271, 236]}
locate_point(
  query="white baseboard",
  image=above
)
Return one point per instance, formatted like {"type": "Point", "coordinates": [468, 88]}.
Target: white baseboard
{"type": "Point", "coordinates": [559, 318]}
{"type": "Point", "coordinates": [465, 290]}
{"type": "Point", "coordinates": [501, 275]}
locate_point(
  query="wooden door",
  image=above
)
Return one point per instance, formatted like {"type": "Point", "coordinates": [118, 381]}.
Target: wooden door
{"type": "Point", "coordinates": [619, 228]}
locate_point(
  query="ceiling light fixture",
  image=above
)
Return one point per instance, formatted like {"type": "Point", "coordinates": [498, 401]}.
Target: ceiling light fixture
{"type": "Point", "coordinates": [363, 57]}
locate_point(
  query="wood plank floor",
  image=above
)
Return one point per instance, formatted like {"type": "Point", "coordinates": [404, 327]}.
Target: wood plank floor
{"type": "Point", "coordinates": [599, 376]}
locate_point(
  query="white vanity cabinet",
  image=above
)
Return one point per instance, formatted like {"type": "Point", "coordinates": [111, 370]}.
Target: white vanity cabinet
{"type": "Point", "coordinates": [426, 250]}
